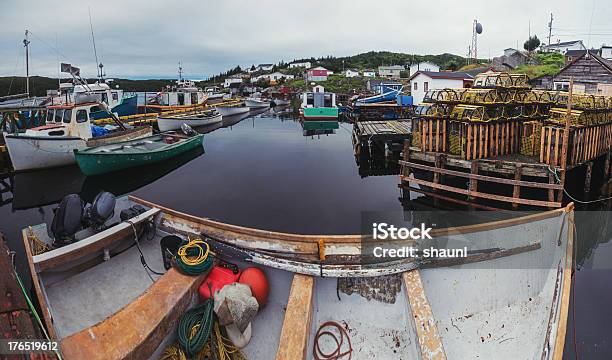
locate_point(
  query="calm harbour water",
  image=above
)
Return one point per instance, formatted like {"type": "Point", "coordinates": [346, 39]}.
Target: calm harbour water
{"type": "Point", "coordinates": [261, 171]}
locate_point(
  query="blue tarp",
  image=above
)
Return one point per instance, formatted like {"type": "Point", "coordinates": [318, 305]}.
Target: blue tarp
{"type": "Point", "coordinates": [98, 131]}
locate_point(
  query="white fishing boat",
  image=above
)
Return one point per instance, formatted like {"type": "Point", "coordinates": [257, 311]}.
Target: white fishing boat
{"type": "Point", "coordinates": [68, 128]}
{"type": "Point", "coordinates": [281, 102]}
{"type": "Point", "coordinates": [508, 298]}
{"type": "Point", "coordinates": [201, 118]}
{"type": "Point", "coordinates": [230, 110]}
{"type": "Point", "coordinates": [183, 94]}
{"type": "Point", "coordinates": [256, 103]}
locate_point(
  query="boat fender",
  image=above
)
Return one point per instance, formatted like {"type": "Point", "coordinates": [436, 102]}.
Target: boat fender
{"type": "Point", "coordinates": [67, 220]}
{"type": "Point", "coordinates": [256, 279]}
{"type": "Point", "coordinates": [239, 339]}
{"type": "Point", "coordinates": [218, 277]}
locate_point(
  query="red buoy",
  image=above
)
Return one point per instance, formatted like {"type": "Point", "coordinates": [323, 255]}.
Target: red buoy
{"type": "Point", "coordinates": [257, 281]}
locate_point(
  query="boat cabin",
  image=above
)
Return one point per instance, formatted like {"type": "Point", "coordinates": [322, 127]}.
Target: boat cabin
{"type": "Point", "coordinates": [185, 92]}
{"type": "Point", "coordinates": [318, 99]}
{"type": "Point", "coordinates": [68, 120]}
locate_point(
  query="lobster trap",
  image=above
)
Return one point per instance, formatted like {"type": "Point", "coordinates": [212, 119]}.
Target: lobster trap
{"type": "Point", "coordinates": [531, 132]}
{"type": "Point", "coordinates": [501, 80]}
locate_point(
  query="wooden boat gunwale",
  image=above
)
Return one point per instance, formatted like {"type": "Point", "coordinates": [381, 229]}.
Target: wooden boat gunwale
{"type": "Point", "coordinates": [104, 341]}
{"type": "Point", "coordinates": [182, 140]}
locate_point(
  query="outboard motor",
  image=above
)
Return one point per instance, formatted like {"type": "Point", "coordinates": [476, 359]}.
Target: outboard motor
{"type": "Point", "coordinates": [101, 209]}
{"type": "Point", "coordinates": [67, 220]}
{"type": "Point", "coordinates": [188, 130]}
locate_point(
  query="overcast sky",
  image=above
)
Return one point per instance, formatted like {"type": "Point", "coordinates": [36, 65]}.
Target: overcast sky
{"type": "Point", "coordinates": [148, 38]}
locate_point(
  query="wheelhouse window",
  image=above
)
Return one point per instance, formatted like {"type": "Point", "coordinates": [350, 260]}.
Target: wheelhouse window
{"type": "Point", "coordinates": [327, 100]}
{"type": "Point", "coordinates": [310, 99]}
{"type": "Point", "coordinates": [81, 116]}
{"type": "Point", "coordinates": [425, 86]}
{"type": "Point", "coordinates": [49, 116]}
{"type": "Point", "coordinates": [59, 113]}
{"type": "Point", "coordinates": [416, 87]}
{"type": "Point", "coordinates": [67, 116]}
{"type": "Point", "coordinates": [93, 110]}
{"type": "Point", "coordinates": [115, 96]}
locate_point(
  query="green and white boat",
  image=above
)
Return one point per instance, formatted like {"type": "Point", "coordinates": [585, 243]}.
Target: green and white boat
{"type": "Point", "coordinates": [319, 105]}
{"type": "Point", "coordinates": [122, 155]}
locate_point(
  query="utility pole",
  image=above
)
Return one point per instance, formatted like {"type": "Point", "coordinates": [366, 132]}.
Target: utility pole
{"type": "Point", "coordinates": [550, 28]}
{"type": "Point", "coordinates": [26, 43]}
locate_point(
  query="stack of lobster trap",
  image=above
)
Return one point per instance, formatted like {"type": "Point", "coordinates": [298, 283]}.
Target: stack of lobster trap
{"type": "Point", "coordinates": [501, 116]}
{"type": "Point", "coordinates": [502, 132]}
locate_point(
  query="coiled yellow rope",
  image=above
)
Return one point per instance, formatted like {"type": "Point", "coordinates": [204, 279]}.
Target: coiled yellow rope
{"type": "Point", "coordinates": [187, 258]}
{"type": "Point", "coordinates": [193, 258]}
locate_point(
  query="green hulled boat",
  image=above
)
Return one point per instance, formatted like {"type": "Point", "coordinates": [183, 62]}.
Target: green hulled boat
{"type": "Point", "coordinates": [318, 105]}
{"type": "Point", "coordinates": [127, 154]}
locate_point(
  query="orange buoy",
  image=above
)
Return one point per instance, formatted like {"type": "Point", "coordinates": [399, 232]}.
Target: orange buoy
{"type": "Point", "coordinates": [257, 281]}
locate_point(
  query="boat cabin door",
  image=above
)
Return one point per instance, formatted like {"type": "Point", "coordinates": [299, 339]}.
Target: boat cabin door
{"type": "Point", "coordinates": [80, 125]}
{"type": "Point", "coordinates": [181, 99]}
{"type": "Point", "coordinates": [319, 100]}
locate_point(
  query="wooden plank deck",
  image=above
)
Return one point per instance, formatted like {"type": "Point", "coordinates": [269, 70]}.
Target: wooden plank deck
{"type": "Point", "coordinates": [390, 130]}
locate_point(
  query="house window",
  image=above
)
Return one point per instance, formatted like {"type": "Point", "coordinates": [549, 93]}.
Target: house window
{"type": "Point", "coordinates": [415, 86]}
{"type": "Point", "coordinates": [425, 86]}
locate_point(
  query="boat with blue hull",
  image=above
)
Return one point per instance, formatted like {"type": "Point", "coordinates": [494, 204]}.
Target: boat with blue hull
{"type": "Point", "coordinates": [388, 92]}
{"type": "Point", "coordinates": [128, 105]}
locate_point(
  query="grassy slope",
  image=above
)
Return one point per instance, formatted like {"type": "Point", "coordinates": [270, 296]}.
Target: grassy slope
{"type": "Point", "coordinates": [335, 83]}
{"type": "Point", "coordinates": [549, 64]}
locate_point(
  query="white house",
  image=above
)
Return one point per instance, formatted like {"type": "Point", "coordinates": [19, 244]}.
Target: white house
{"type": "Point", "coordinates": [264, 67]}
{"type": "Point", "coordinates": [606, 52]}
{"type": "Point", "coordinates": [563, 47]}
{"type": "Point", "coordinates": [369, 73]}
{"type": "Point", "coordinates": [275, 76]}
{"type": "Point", "coordinates": [424, 66]}
{"type": "Point", "coordinates": [318, 89]}
{"type": "Point", "coordinates": [392, 71]}
{"type": "Point", "coordinates": [234, 79]}
{"type": "Point", "coordinates": [300, 64]}
{"type": "Point", "coordinates": [423, 81]}
{"type": "Point", "coordinates": [349, 73]}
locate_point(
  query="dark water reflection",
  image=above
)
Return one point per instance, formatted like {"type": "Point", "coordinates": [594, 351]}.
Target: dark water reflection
{"type": "Point", "coordinates": [266, 171]}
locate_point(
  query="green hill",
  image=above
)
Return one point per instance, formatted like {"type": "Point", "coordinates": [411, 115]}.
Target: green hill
{"type": "Point", "coordinates": [39, 85]}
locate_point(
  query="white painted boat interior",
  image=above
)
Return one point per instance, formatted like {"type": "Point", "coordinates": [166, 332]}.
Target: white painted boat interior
{"type": "Point", "coordinates": [502, 307]}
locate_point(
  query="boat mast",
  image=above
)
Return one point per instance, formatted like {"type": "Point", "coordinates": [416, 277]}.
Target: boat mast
{"type": "Point", "coordinates": [26, 43]}
{"type": "Point", "coordinates": [180, 72]}
{"type": "Point", "coordinates": [99, 66]}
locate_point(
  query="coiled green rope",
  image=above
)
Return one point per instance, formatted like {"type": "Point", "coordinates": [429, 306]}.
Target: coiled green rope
{"type": "Point", "coordinates": [193, 258]}
{"type": "Point", "coordinates": [195, 327]}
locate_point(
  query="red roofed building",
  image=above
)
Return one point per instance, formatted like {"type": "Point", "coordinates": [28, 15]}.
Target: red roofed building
{"type": "Point", "coordinates": [317, 74]}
